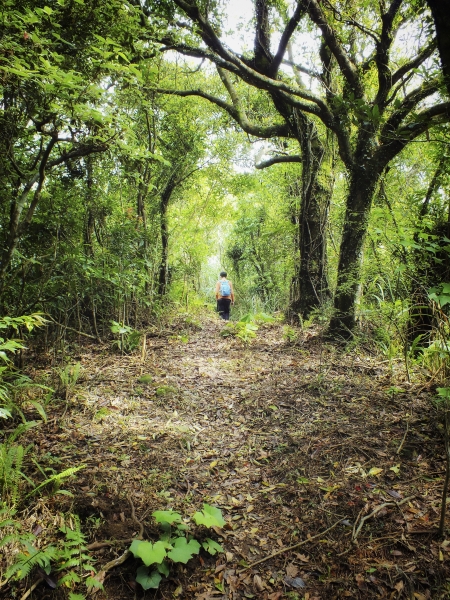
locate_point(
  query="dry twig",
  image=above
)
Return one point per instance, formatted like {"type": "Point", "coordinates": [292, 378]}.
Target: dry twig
{"type": "Point", "coordinates": [356, 530]}
{"type": "Point", "coordinates": [278, 552]}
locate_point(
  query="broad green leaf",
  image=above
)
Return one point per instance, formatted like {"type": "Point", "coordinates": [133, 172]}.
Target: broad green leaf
{"type": "Point", "coordinates": [211, 546]}
{"type": "Point", "coordinates": [166, 516]}
{"type": "Point", "coordinates": [148, 580]}
{"type": "Point", "coordinates": [210, 517]}
{"type": "Point", "coordinates": [149, 553]}
{"type": "Point", "coordinates": [164, 568]}
{"type": "Point", "coordinates": [183, 550]}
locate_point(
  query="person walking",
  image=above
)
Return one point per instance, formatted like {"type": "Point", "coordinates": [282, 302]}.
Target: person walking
{"type": "Point", "coordinates": [224, 296]}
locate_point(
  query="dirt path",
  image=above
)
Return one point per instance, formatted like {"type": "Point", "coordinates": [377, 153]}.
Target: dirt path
{"type": "Point", "coordinates": [286, 440]}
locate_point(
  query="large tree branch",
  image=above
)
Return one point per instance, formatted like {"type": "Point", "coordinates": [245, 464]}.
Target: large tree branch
{"type": "Point", "coordinates": [205, 29]}
{"type": "Point", "coordinates": [315, 105]}
{"type": "Point", "coordinates": [397, 140]}
{"type": "Point", "coordinates": [348, 69]}
{"type": "Point", "coordinates": [383, 47]}
{"type": "Point", "coordinates": [410, 101]}
{"type": "Point", "coordinates": [237, 104]}
{"type": "Point", "coordinates": [279, 159]}
{"type": "Point", "coordinates": [262, 55]}
{"type": "Point", "coordinates": [276, 130]}
{"type": "Point", "coordinates": [424, 53]}
{"type": "Point", "coordinates": [226, 59]}
{"type": "Point", "coordinates": [285, 39]}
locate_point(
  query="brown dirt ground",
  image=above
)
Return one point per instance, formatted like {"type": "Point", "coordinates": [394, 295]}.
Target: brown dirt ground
{"type": "Point", "coordinates": [287, 439]}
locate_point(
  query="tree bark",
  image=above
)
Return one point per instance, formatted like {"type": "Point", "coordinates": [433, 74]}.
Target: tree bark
{"type": "Point", "coordinates": [309, 287]}
{"type": "Point", "coordinates": [363, 181]}
{"type": "Point", "coordinates": [440, 10]}
{"type": "Point", "coordinates": [163, 278]}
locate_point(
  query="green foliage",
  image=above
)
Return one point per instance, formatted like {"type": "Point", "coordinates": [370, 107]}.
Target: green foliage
{"type": "Point", "coordinates": [149, 553]}
{"type": "Point", "coordinates": [69, 560]}
{"type": "Point", "coordinates": [148, 580]}
{"type": "Point", "coordinates": [290, 334]}
{"type": "Point", "coordinates": [175, 545]}
{"type": "Point", "coordinates": [129, 339]}
{"type": "Point", "coordinates": [244, 330]}
{"type": "Point", "coordinates": [211, 546]}
{"type": "Point", "coordinates": [209, 517]}
{"type": "Point", "coordinates": [165, 390]}
{"type": "Point", "coordinates": [11, 459]}
{"type": "Point", "coordinates": [55, 481]}
{"type": "Point", "coordinates": [440, 294]}
{"type": "Point", "coordinates": [68, 377]}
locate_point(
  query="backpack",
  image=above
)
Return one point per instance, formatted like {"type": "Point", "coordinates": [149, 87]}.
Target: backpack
{"type": "Point", "coordinates": [225, 288]}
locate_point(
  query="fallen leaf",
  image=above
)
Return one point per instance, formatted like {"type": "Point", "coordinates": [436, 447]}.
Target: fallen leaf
{"type": "Point", "coordinates": [302, 557]}
{"type": "Point", "coordinates": [257, 582]}
{"type": "Point", "coordinates": [399, 586]}
{"type": "Point", "coordinates": [375, 471]}
{"type": "Point", "coordinates": [394, 494]}
{"type": "Point", "coordinates": [291, 570]}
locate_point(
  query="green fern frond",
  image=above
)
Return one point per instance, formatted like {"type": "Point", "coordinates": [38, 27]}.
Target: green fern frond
{"type": "Point", "coordinates": [57, 478]}
{"type": "Point", "coordinates": [68, 578]}
{"type": "Point", "coordinates": [26, 562]}
{"type": "Point", "coordinates": [92, 582]}
{"type": "Point", "coordinates": [69, 563]}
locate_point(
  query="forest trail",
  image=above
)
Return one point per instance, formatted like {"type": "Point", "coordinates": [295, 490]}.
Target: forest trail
{"type": "Point", "coordinates": [286, 439]}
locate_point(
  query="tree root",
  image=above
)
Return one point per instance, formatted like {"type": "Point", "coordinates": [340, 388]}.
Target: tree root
{"type": "Point", "coordinates": [32, 588]}
{"type": "Point", "coordinates": [100, 576]}
{"type": "Point", "coordinates": [357, 530]}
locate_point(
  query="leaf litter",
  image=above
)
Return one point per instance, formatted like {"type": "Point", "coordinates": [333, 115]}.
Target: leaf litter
{"type": "Point", "coordinates": [288, 441]}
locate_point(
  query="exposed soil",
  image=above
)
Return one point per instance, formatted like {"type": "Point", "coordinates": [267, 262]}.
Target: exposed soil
{"type": "Point", "coordinates": [288, 440]}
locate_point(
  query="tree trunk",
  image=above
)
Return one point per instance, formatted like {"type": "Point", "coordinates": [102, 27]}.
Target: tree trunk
{"type": "Point", "coordinates": [441, 15]}
{"type": "Point", "coordinates": [309, 287]}
{"type": "Point", "coordinates": [163, 277]}
{"type": "Point", "coordinates": [363, 181]}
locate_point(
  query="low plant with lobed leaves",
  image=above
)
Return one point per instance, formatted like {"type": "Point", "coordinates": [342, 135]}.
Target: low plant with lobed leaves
{"type": "Point", "coordinates": [175, 545]}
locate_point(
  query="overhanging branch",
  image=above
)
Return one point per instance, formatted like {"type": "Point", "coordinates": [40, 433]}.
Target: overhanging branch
{"type": "Point", "coordinates": [293, 158]}
{"type": "Point", "coordinates": [276, 130]}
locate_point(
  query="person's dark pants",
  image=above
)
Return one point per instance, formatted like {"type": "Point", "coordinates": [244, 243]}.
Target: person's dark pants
{"type": "Point", "coordinates": [223, 308]}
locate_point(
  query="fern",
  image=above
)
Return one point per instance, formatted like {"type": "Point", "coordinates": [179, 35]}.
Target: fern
{"type": "Point", "coordinates": [29, 559]}
{"type": "Point", "coordinates": [70, 559]}
{"type": "Point", "coordinates": [56, 479]}
{"type": "Point", "coordinates": [11, 460]}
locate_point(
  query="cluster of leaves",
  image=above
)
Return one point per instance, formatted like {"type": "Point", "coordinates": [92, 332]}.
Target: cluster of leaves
{"type": "Point", "coordinates": [128, 338]}
{"type": "Point", "coordinates": [245, 329]}
{"type": "Point", "coordinates": [64, 563]}
{"type": "Point", "coordinates": [176, 544]}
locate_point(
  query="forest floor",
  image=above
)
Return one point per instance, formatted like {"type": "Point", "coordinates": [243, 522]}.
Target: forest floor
{"type": "Point", "coordinates": [326, 464]}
